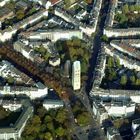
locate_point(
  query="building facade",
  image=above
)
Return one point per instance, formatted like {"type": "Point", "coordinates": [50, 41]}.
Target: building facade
{"type": "Point", "coordinates": [49, 104]}
{"type": "Point", "coordinates": [76, 75]}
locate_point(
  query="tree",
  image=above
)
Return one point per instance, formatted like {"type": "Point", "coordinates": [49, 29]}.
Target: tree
{"type": "Point", "coordinates": [3, 113]}
{"type": "Point", "coordinates": [104, 38]}
{"type": "Point", "coordinates": [36, 121]}
{"type": "Point", "coordinates": [121, 18]}
{"type": "Point", "coordinates": [41, 111]}
{"type": "Point", "coordinates": [20, 14]}
{"type": "Point", "coordinates": [110, 62]}
{"type": "Point", "coordinates": [60, 131]}
{"type": "Point", "coordinates": [132, 8]}
{"type": "Point", "coordinates": [123, 80]}
{"type": "Point", "coordinates": [133, 80]}
{"type": "Point", "coordinates": [48, 136]}
{"type": "Point", "coordinates": [47, 119]}
{"type": "Point", "coordinates": [112, 74]}
{"type": "Point", "coordinates": [125, 9]}
{"type": "Point", "coordinates": [61, 115]}
{"type": "Point", "coordinates": [84, 66]}
{"type": "Point", "coordinates": [83, 119]}
{"type": "Point", "coordinates": [138, 82]}
{"type": "Point", "coordinates": [10, 80]}
{"type": "Point", "coordinates": [43, 128]}
{"type": "Point", "coordinates": [118, 63]}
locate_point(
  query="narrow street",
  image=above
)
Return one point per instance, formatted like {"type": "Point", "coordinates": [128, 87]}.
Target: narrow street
{"type": "Point", "coordinates": [95, 131]}
{"type": "Point", "coordinates": [97, 43]}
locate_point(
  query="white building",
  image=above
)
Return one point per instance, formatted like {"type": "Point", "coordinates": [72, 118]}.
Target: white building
{"type": "Point", "coordinates": [14, 132]}
{"type": "Point", "coordinates": [3, 2]}
{"type": "Point", "coordinates": [113, 134]}
{"type": "Point", "coordinates": [53, 35]}
{"type": "Point", "coordinates": [76, 75]}
{"type": "Point", "coordinates": [120, 109]}
{"type": "Point", "coordinates": [39, 91]}
{"type": "Point", "coordinates": [54, 61]}
{"type": "Point", "coordinates": [100, 112]}
{"type": "Point", "coordinates": [49, 104]}
{"type": "Point", "coordinates": [12, 105]}
{"type": "Point", "coordinates": [135, 126]}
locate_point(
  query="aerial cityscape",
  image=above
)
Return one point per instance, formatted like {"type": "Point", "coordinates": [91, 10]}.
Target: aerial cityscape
{"type": "Point", "coordinates": [69, 69]}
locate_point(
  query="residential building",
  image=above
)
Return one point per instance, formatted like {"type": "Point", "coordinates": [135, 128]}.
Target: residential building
{"type": "Point", "coordinates": [113, 134]}
{"type": "Point", "coordinates": [130, 47]}
{"type": "Point", "coordinates": [14, 131]}
{"type": "Point", "coordinates": [22, 4]}
{"type": "Point", "coordinates": [12, 105]}
{"type": "Point", "coordinates": [76, 75]}
{"type": "Point", "coordinates": [70, 2]}
{"type": "Point", "coordinates": [5, 13]}
{"type": "Point", "coordinates": [3, 2]}
{"type": "Point", "coordinates": [53, 35]}
{"type": "Point", "coordinates": [38, 91]}
{"type": "Point", "coordinates": [28, 52]}
{"type": "Point", "coordinates": [129, 62]}
{"type": "Point", "coordinates": [7, 70]}
{"type": "Point", "coordinates": [52, 104]}
{"type": "Point", "coordinates": [99, 111]}
{"type": "Point", "coordinates": [120, 108]}
{"type": "Point", "coordinates": [135, 126]}
{"type": "Point", "coordinates": [55, 61]}
{"type": "Point", "coordinates": [8, 33]}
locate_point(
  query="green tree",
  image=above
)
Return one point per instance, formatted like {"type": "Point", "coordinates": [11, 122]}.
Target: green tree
{"type": "Point", "coordinates": [41, 111]}
{"type": "Point", "coordinates": [104, 38]}
{"type": "Point", "coordinates": [3, 113]}
{"type": "Point", "coordinates": [48, 136]}
{"type": "Point", "coordinates": [47, 119]}
{"type": "Point", "coordinates": [118, 63]}
{"type": "Point", "coordinates": [132, 8]}
{"type": "Point", "coordinates": [60, 131]}
{"type": "Point", "coordinates": [121, 18]}
{"type": "Point", "coordinates": [123, 80]}
{"type": "Point", "coordinates": [36, 120]}
{"type": "Point", "coordinates": [84, 66]}
{"type": "Point", "coordinates": [50, 126]}
{"type": "Point", "coordinates": [112, 74]}
{"type": "Point", "coordinates": [20, 14]}
{"type": "Point", "coordinates": [10, 80]}
{"type": "Point", "coordinates": [83, 119]}
{"type": "Point", "coordinates": [110, 62]}
{"type": "Point", "coordinates": [125, 9]}
{"type": "Point", "coordinates": [133, 80]}
{"type": "Point", "coordinates": [43, 128]}
{"type": "Point", "coordinates": [61, 115]}
{"type": "Point", "coordinates": [138, 82]}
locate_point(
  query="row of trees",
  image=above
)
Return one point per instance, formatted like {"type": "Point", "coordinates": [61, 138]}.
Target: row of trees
{"type": "Point", "coordinates": [32, 70]}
